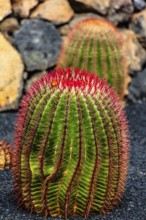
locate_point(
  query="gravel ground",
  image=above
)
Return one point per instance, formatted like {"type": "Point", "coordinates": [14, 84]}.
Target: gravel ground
{"type": "Point", "coordinates": [133, 205]}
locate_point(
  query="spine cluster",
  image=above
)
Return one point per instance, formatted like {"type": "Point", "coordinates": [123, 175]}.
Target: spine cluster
{"type": "Point", "coordinates": [96, 45]}
{"type": "Point", "coordinates": [71, 151]}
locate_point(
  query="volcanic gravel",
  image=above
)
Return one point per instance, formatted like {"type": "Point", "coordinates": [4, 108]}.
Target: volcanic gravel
{"type": "Point", "coordinates": [133, 205]}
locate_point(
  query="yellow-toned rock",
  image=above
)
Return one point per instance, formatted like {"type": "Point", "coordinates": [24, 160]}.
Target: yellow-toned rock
{"type": "Point", "coordinates": [5, 8]}
{"type": "Point", "coordinates": [4, 155]}
{"type": "Point", "coordinates": [57, 11]}
{"type": "Point", "coordinates": [23, 7]}
{"type": "Point", "coordinates": [11, 75]}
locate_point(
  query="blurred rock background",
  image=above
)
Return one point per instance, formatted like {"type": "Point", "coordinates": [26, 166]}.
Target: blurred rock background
{"type": "Point", "coordinates": [32, 31]}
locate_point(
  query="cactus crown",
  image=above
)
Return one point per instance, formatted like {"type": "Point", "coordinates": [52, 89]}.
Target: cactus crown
{"type": "Point", "coordinates": [95, 45]}
{"type": "Point", "coordinates": [4, 155]}
{"type": "Point", "coordinates": [70, 151]}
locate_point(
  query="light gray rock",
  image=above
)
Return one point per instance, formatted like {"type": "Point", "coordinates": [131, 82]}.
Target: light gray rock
{"type": "Point", "coordinates": [39, 43]}
{"type": "Point", "coordinates": [139, 4]}
{"type": "Point", "coordinates": [120, 11]}
{"type": "Point", "coordinates": [138, 23]}
{"type": "Point", "coordinates": [99, 6]}
{"type": "Point", "coordinates": [135, 55]}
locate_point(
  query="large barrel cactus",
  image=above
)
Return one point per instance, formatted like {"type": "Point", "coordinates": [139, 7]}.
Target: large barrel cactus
{"type": "Point", "coordinates": [96, 45]}
{"type": "Point", "coordinates": [70, 152]}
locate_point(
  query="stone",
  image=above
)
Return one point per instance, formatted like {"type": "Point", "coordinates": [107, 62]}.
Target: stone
{"type": "Point", "coordinates": [120, 11]}
{"type": "Point", "coordinates": [11, 75]}
{"type": "Point", "coordinates": [135, 54]}
{"type": "Point", "coordinates": [23, 7]}
{"type": "Point", "coordinates": [9, 25]}
{"type": "Point", "coordinates": [92, 5]}
{"type": "Point", "coordinates": [5, 159]}
{"type": "Point", "coordinates": [56, 11]}
{"type": "Point", "coordinates": [138, 24]}
{"type": "Point", "coordinates": [137, 89]}
{"type": "Point", "coordinates": [77, 18]}
{"type": "Point", "coordinates": [5, 8]}
{"type": "Point", "coordinates": [39, 43]}
{"type": "Point", "coordinates": [139, 4]}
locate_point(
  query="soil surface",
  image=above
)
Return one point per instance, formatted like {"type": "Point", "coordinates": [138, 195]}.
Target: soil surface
{"type": "Point", "coordinates": [133, 205]}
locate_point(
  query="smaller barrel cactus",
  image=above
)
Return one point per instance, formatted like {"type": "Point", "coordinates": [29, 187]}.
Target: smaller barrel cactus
{"type": "Point", "coordinates": [96, 45]}
{"type": "Point", "coordinates": [4, 155]}
{"type": "Point", "coordinates": [70, 151]}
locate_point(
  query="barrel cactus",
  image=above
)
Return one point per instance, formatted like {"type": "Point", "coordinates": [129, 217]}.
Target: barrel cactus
{"type": "Point", "coordinates": [70, 151]}
{"type": "Point", "coordinates": [96, 45]}
{"type": "Point", "coordinates": [4, 155]}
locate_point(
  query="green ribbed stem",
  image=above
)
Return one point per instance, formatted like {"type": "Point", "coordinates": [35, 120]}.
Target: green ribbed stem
{"type": "Point", "coordinates": [97, 49]}
{"type": "Point", "coordinates": [71, 156]}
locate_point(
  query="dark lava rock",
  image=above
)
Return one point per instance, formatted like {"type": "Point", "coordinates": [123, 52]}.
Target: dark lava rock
{"type": "Point", "coordinates": [137, 89]}
{"type": "Point", "coordinates": [139, 4]}
{"type": "Point", "coordinates": [39, 43]}
{"type": "Point", "coordinates": [120, 11]}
